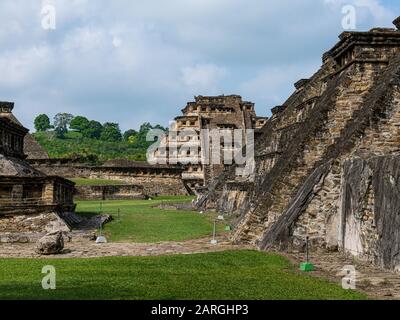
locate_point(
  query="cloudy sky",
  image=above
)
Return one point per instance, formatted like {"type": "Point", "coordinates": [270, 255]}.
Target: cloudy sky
{"type": "Point", "coordinates": [131, 61]}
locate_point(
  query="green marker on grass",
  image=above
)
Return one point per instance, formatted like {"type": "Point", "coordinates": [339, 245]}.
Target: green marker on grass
{"type": "Point", "coordinates": [307, 266]}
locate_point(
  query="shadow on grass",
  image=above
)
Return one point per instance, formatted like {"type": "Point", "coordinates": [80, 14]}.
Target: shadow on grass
{"type": "Point", "coordinates": [87, 215]}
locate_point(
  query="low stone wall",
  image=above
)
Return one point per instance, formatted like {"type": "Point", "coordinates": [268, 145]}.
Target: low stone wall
{"type": "Point", "coordinates": [155, 180]}
{"type": "Point", "coordinates": [110, 192]}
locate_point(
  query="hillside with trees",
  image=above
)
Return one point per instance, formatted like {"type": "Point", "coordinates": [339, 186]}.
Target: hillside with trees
{"type": "Point", "coordinates": [78, 137]}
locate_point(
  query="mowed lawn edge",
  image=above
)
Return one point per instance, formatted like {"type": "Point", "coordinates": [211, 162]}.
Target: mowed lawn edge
{"type": "Point", "coordinates": [245, 274]}
{"type": "Point", "coordinates": [140, 221]}
{"type": "Point", "coordinates": [96, 182]}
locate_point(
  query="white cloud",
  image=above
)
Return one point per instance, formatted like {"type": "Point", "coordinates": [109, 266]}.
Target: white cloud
{"type": "Point", "coordinates": [203, 76]}
{"type": "Point", "coordinates": [272, 83]}
{"type": "Point", "coordinates": [24, 66]}
{"type": "Point", "coordinates": [144, 59]}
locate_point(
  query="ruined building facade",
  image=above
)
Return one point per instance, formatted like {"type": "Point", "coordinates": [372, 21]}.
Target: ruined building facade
{"type": "Point", "coordinates": [138, 179]}
{"type": "Point", "coordinates": [214, 114]}
{"type": "Point", "coordinates": [327, 162]}
{"type": "Point", "coordinates": [30, 201]}
{"type": "Point", "coordinates": [32, 149]}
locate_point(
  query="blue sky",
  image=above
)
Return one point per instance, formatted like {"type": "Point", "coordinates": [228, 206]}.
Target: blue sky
{"type": "Point", "coordinates": [134, 61]}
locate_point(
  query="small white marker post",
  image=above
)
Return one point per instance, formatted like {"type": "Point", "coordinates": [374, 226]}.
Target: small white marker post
{"type": "Point", "coordinates": [101, 239]}
{"type": "Point", "coordinates": [214, 241]}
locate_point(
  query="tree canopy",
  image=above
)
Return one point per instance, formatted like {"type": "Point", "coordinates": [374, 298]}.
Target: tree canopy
{"type": "Point", "coordinates": [93, 130]}
{"type": "Point", "coordinates": [130, 133]}
{"type": "Point", "coordinates": [61, 123]}
{"type": "Point", "coordinates": [77, 136]}
{"type": "Point", "coordinates": [111, 132]}
{"type": "Point", "coordinates": [42, 123]}
{"type": "Point", "coordinates": [79, 123]}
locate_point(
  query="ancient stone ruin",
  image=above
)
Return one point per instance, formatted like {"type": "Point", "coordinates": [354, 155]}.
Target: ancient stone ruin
{"type": "Point", "coordinates": [31, 203]}
{"type": "Point", "coordinates": [32, 149]}
{"type": "Point", "coordinates": [142, 180]}
{"type": "Point", "coordinates": [139, 180]}
{"type": "Point", "coordinates": [327, 162]}
{"type": "Point", "coordinates": [223, 113]}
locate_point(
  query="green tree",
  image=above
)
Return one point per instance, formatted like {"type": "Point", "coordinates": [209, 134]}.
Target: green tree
{"type": "Point", "coordinates": [142, 135]}
{"type": "Point", "coordinates": [129, 133]}
{"type": "Point", "coordinates": [79, 123]}
{"type": "Point", "coordinates": [61, 123]}
{"type": "Point", "coordinates": [132, 140]}
{"type": "Point", "coordinates": [42, 123]}
{"type": "Point", "coordinates": [145, 127]}
{"type": "Point", "coordinates": [111, 132]}
{"type": "Point", "coordinates": [159, 127]}
{"type": "Point", "coordinates": [93, 130]}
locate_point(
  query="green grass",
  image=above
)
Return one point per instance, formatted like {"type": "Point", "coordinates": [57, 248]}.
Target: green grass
{"type": "Point", "coordinates": [215, 276]}
{"type": "Point", "coordinates": [95, 182]}
{"type": "Point", "coordinates": [140, 222]}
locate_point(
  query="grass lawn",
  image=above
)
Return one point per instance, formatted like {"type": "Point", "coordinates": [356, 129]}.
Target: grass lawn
{"type": "Point", "coordinates": [225, 275]}
{"type": "Point", "coordinates": [139, 222]}
{"type": "Point", "coordinates": [96, 182]}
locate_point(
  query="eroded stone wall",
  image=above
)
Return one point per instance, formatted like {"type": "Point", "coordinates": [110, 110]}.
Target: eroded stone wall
{"type": "Point", "coordinates": [309, 144]}
{"type": "Point", "coordinates": [153, 181]}
{"type": "Point", "coordinates": [370, 223]}
{"type": "Point", "coordinates": [110, 192]}
{"type": "Point", "coordinates": [348, 110]}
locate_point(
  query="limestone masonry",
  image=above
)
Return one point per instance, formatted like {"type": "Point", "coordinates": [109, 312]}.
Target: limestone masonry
{"type": "Point", "coordinates": [222, 113]}
{"type": "Point", "coordinates": [32, 149]}
{"type": "Point", "coordinates": [30, 201]}
{"type": "Point", "coordinates": [139, 178]}
{"type": "Point", "coordinates": [327, 161]}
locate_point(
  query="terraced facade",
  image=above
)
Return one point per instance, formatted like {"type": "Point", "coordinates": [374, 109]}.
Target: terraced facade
{"type": "Point", "coordinates": [325, 156]}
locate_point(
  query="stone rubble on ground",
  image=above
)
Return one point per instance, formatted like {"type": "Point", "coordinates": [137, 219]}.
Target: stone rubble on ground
{"type": "Point", "coordinates": [50, 244]}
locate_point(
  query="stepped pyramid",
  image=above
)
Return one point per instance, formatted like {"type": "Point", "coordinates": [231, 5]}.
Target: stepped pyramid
{"type": "Point", "coordinates": [328, 160]}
